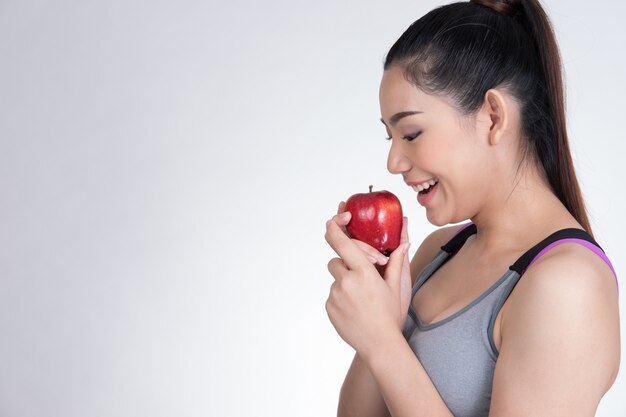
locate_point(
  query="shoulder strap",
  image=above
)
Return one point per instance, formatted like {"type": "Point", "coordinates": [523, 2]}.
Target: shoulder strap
{"type": "Point", "coordinates": [459, 238]}
{"type": "Point", "coordinates": [524, 261]}
{"type": "Point", "coordinates": [444, 254]}
{"type": "Point", "coordinates": [533, 253]}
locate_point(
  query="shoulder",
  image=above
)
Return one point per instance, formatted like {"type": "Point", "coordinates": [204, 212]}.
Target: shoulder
{"type": "Point", "coordinates": [560, 333]}
{"type": "Point", "coordinates": [430, 246]}
{"type": "Point", "coordinates": [568, 273]}
{"type": "Point", "coordinates": [568, 284]}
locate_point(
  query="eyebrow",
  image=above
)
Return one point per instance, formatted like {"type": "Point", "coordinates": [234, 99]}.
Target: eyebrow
{"type": "Point", "coordinates": [396, 117]}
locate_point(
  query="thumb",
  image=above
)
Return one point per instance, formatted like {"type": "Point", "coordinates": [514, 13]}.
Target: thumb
{"type": "Point", "coordinates": [393, 272]}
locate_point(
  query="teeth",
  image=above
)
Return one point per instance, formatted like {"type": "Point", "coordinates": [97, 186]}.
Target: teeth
{"type": "Point", "coordinates": [424, 186]}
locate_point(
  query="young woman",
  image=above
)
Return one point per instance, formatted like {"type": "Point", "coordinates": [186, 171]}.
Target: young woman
{"type": "Point", "coordinates": [515, 312]}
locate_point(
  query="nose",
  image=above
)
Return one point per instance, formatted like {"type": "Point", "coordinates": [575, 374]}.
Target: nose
{"type": "Point", "coordinates": [397, 162]}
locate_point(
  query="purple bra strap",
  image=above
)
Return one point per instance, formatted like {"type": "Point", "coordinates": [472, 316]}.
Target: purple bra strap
{"type": "Point", "coordinates": [465, 226]}
{"type": "Point", "coordinates": [583, 242]}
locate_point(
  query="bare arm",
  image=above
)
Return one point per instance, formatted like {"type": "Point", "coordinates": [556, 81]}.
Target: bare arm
{"type": "Point", "coordinates": [360, 394]}
{"type": "Point", "coordinates": [560, 338]}
{"type": "Point", "coordinates": [406, 387]}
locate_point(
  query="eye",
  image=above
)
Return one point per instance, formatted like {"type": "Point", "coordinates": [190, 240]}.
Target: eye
{"type": "Point", "coordinates": [408, 138]}
{"type": "Point", "coordinates": [411, 137]}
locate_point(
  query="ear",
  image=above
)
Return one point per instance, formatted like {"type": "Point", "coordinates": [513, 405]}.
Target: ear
{"type": "Point", "coordinates": [497, 109]}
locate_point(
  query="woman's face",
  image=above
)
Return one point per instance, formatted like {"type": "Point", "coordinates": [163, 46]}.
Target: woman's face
{"type": "Point", "coordinates": [432, 143]}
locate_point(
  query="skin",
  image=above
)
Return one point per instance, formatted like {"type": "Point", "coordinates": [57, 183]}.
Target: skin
{"type": "Point", "coordinates": [557, 334]}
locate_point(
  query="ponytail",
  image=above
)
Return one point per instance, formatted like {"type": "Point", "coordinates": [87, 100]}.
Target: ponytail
{"type": "Point", "coordinates": [465, 49]}
{"type": "Point", "coordinates": [562, 175]}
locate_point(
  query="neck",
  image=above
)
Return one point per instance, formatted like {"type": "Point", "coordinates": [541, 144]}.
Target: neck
{"type": "Point", "coordinates": [520, 215]}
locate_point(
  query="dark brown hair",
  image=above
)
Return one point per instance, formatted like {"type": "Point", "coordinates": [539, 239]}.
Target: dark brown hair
{"type": "Point", "coordinates": [465, 49]}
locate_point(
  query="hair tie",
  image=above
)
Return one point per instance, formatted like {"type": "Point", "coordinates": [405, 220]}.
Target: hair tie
{"type": "Point", "coordinates": [506, 7]}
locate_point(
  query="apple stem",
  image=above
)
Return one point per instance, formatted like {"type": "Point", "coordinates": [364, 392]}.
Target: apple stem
{"type": "Point", "coordinates": [371, 186]}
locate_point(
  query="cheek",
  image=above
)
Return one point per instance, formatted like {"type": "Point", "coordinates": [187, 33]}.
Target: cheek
{"type": "Point", "coordinates": [471, 184]}
{"type": "Point", "coordinates": [464, 171]}
{"type": "Point", "coordinates": [433, 154]}
{"type": "Point", "coordinates": [426, 156]}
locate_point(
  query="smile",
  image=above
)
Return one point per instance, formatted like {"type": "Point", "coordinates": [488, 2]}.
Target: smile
{"type": "Point", "coordinates": [424, 185]}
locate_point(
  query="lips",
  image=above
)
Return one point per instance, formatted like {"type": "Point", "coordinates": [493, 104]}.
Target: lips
{"type": "Point", "coordinates": [425, 189]}
{"type": "Point", "coordinates": [424, 197]}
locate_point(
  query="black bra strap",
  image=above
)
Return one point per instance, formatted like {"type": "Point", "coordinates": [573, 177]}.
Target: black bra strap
{"type": "Point", "coordinates": [522, 263]}
{"type": "Point", "coordinates": [459, 239]}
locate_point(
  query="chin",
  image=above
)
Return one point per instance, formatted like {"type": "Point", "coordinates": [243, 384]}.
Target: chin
{"type": "Point", "coordinates": [440, 220]}
{"type": "Point", "coordinates": [435, 220]}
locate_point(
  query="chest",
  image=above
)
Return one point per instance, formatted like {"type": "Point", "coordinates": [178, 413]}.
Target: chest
{"type": "Point", "coordinates": [457, 283]}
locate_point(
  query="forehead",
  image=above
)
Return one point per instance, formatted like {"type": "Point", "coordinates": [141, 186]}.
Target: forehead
{"type": "Point", "coordinates": [396, 94]}
{"type": "Point", "coordinates": [395, 87]}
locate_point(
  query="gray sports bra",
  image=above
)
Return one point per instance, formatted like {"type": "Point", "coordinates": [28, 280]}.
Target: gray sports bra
{"type": "Point", "coordinates": [459, 353]}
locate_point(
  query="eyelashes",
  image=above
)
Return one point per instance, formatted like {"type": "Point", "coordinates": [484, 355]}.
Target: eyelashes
{"type": "Point", "coordinates": [408, 138]}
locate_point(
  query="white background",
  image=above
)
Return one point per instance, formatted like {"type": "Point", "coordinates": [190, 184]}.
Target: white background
{"type": "Point", "coordinates": [166, 169]}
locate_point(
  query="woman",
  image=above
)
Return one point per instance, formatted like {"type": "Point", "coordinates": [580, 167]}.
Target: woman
{"type": "Point", "coordinates": [514, 313]}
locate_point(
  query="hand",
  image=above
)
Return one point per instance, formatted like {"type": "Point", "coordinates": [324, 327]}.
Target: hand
{"type": "Point", "coordinates": [342, 219]}
{"type": "Point", "coordinates": [362, 306]}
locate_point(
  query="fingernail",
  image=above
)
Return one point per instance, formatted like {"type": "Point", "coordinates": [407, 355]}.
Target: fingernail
{"type": "Point", "coordinates": [372, 259]}
{"type": "Point", "coordinates": [344, 215]}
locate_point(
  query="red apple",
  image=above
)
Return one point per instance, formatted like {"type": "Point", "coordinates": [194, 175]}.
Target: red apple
{"type": "Point", "coordinates": [376, 219]}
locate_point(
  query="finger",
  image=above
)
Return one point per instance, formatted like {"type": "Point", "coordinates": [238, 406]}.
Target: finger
{"type": "Point", "coordinates": [337, 268]}
{"type": "Point", "coordinates": [342, 219]}
{"type": "Point", "coordinates": [405, 286]}
{"type": "Point", "coordinates": [373, 255]}
{"type": "Point", "coordinates": [404, 234]}
{"type": "Point", "coordinates": [341, 208]}
{"type": "Point", "coordinates": [393, 271]}
{"type": "Point", "coordinates": [349, 252]}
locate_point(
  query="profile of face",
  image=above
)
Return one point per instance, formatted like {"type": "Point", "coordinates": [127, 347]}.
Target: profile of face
{"type": "Point", "coordinates": [431, 141]}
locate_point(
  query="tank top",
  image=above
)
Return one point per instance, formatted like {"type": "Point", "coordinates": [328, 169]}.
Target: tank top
{"type": "Point", "coordinates": [458, 352]}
